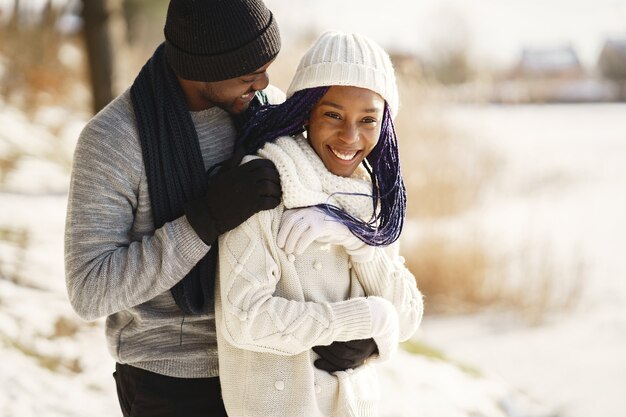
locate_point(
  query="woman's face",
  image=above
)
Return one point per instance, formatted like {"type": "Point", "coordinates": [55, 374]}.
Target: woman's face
{"type": "Point", "coordinates": [344, 127]}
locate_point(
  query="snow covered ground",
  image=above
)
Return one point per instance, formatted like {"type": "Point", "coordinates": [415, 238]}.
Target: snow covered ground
{"type": "Point", "coordinates": [563, 182]}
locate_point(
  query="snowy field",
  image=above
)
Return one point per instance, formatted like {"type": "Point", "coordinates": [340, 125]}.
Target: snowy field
{"type": "Point", "coordinates": [563, 183]}
{"type": "Point", "coordinates": [563, 189]}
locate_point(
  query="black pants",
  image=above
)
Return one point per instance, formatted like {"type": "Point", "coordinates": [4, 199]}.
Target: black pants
{"type": "Point", "coordinates": [146, 394]}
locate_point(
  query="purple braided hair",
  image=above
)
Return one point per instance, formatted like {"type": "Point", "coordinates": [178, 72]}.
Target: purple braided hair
{"type": "Point", "coordinates": [272, 121]}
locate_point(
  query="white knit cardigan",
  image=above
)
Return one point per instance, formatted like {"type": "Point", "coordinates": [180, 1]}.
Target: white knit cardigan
{"type": "Point", "coordinates": [272, 308]}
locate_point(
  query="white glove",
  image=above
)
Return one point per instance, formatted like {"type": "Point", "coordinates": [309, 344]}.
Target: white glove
{"type": "Point", "coordinates": [301, 227]}
{"type": "Point", "coordinates": [385, 326]}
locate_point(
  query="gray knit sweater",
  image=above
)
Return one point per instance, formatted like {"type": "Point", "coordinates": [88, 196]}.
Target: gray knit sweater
{"type": "Point", "coordinates": [117, 265]}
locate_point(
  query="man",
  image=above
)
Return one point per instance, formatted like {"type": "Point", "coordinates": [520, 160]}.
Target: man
{"type": "Point", "coordinates": [144, 215]}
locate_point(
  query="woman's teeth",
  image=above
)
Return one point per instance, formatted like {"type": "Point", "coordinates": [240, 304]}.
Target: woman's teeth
{"type": "Point", "coordinates": [345, 156]}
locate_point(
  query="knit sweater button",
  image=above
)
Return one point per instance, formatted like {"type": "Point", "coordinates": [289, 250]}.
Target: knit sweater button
{"type": "Point", "coordinates": [349, 370]}
{"type": "Point", "coordinates": [317, 265]}
{"type": "Point", "coordinates": [291, 257]}
{"type": "Point", "coordinates": [238, 268]}
{"type": "Point", "coordinates": [279, 385]}
{"type": "Point", "coordinates": [318, 389]}
{"type": "Point", "coordinates": [243, 315]}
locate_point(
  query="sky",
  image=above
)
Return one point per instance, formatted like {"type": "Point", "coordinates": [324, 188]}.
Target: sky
{"type": "Point", "coordinates": [493, 30]}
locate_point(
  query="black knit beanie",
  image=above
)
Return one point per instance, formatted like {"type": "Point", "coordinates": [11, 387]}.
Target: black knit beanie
{"type": "Point", "coordinates": [214, 40]}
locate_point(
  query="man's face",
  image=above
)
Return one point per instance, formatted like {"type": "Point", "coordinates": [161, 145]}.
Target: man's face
{"type": "Point", "coordinates": [233, 95]}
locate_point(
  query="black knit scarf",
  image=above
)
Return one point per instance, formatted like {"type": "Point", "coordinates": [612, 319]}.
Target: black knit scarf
{"type": "Point", "coordinates": [174, 167]}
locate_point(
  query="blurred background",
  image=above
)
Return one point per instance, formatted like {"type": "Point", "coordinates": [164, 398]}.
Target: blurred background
{"type": "Point", "coordinates": [512, 133]}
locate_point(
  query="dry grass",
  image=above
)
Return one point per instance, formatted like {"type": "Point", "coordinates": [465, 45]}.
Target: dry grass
{"type": "Point", "coordinates": [452, 275]}
{"type": "Point", "coordinates": [13, 244]}
{"type": "Point", "coordinates": [460, 276]}
{"type": "Point", "coordinates": [41, 66]}
{"type": "Point", "coordinates": [445, 170]}
{"type": "Point", "coordinates": [65, 327]}
{"type": "Point", "coordinates": [54, 363]}
{"type": "Point", "coordinates": [8, 163]}
{"type": "Point", "coordinates": [417, 347]}
{"type": "Point", "coordinates": [537, 282]}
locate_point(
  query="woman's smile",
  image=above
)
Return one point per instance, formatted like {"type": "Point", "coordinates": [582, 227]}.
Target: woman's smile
{"type": "Point", "coordinates": [343, 155]}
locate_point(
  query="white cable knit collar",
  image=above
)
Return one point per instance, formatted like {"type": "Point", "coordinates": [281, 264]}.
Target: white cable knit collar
{"type": "Point", "coordinates": [306, 182]}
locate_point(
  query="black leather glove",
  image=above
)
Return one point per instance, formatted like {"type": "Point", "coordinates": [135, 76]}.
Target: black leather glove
{"type": "Point", "coordinates": [232, 197]}
{"type": "Point", "coordinates": [339, 356]}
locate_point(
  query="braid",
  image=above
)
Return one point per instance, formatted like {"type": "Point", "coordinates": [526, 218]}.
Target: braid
{"type": "Point", "coordinates": [275, 120]}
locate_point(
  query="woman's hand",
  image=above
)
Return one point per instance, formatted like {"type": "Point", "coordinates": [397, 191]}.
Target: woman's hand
{"type": "Point", "coordinates": [340, 356]}
{"type": "Point", "coordinates": [301, 227]}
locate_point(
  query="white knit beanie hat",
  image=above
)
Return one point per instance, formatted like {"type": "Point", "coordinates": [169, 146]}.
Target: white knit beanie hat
{"type": "Point", "coordinates": [348, 59]}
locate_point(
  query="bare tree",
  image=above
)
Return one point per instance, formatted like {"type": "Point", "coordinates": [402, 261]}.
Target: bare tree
{"type": "Point", "coordinates": [103, 32]}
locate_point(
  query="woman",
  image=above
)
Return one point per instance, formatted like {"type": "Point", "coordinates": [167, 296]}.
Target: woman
{"type": "Point", "coordinates": [331, 271]}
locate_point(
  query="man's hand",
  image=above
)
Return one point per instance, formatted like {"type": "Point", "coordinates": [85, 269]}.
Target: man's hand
{"type": "Point", "coordinates": [232, 197]}
{"type": "Point", "coordinates": [340, 356]}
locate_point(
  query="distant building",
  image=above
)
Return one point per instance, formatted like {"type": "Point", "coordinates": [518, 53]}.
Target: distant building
{"type": "Point", "coordinates": [557, 62]}
{"type": "Point", "coordinates": [553, 75]}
